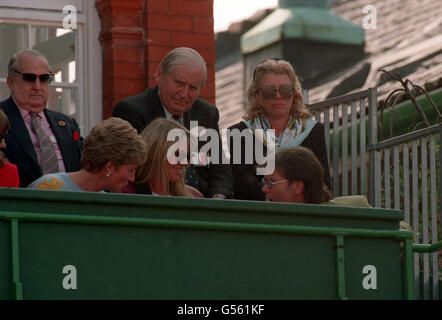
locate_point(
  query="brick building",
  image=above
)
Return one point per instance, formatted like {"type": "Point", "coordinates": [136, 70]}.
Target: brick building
{"type": "Point", "coordinates": [109, 50]}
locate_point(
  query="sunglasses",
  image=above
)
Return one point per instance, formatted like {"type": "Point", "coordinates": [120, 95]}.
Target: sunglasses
{"type": "Point", "coordinates": [269, 183]}
{"type": "Point", "coordinates": [31, 77]}
{"type": "Point", "coordinates": [286, 91]}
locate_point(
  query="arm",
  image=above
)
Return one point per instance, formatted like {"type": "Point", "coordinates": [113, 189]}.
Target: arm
{"type": "Point", "coordinates": [219, 176]}
{"type": "Point", "coordinates": [247, 185]}
{"type": "Point", "coordinates": [316, 143]}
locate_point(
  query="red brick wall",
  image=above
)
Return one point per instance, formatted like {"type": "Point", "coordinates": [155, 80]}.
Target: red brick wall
{"type": "Point", "coordinates": [136, 34]}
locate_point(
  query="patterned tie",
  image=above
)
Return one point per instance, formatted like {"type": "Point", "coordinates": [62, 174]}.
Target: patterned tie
{"type": "Point", "coordinates": [49, 160]}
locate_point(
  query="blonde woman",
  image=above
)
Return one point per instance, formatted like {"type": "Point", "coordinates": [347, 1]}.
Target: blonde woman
{"type": "Point", "coordinates": [8, 171]}
{"type": "Point", "coordinates": [158, 176]}
{"type": "Point", "coordinates": [111, 154]}
{"type": "Point", "coordinates": [275, 102]}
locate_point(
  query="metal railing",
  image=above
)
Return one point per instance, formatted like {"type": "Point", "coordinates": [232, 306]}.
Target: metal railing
{"type": "Point", "coordinates": [345, 121]}
{"type": "Point", "coordinates": [401, 173]}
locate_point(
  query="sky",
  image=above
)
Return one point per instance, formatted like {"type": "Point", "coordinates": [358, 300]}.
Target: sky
{"type": "Point", "coordinates": [227, 11]}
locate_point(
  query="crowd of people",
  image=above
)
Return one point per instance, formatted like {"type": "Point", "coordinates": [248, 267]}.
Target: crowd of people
{"type": "Point", "coordinates": [133, 152]}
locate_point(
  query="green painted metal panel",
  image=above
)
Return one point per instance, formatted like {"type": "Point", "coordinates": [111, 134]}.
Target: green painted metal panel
{"type": "Point", "coordinates": [384, 261]}
{"type": "Point", "coordinates": [5, 260]}
{"type": "Point", "coordinates": [116, 205]}
{"type": "Point", "coordinates": [303, 3]}
{"type": "Point", "coordinates": [147, 247]}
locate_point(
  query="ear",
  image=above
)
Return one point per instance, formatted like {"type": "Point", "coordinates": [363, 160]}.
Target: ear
{"type": "Point", "coordinates": [297, 187]}
{"type": "Point", "coordinates": [109, 166]}
{"type": "Point", "coordinates": [9, 81]}
{"type": "Point", "coordinates": [158, 74]}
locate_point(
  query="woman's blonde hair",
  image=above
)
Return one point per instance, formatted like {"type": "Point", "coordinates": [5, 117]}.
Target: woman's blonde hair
{"type": "Point", "coordinates": [275, 66]}
{"type": "Point", "coordinates": [4, 127]}
{"type": "Point", "coordinates": [154, 168]}
{"type": "Point", "coordinates": [113, 140]}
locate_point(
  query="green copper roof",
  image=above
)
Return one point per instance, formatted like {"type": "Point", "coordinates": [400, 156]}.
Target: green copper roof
{"type": "Point", "coordinates": [303, 3]}
{"type": "Point", "coordinates": [301, 22]}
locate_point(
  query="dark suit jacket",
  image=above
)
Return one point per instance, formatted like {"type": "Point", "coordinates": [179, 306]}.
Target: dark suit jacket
{"type": "Point", "coordinates": [141, 109]}
{"type": "Point", "coordinates": [20, 151]}
{"type": "Point", "coordinates": [247, 185]}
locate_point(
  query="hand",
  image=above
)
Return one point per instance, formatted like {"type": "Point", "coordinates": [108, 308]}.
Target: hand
{"type": "Point", "coordinates": [194, 192]}
{"type": "Point", "coordinates": [219, 196]}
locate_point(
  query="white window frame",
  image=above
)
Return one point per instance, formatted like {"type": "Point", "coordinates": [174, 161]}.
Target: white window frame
{"type": "Point", "coordinates": [88, 50]}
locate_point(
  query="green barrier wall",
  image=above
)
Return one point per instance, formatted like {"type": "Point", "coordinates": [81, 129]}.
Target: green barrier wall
{"type": "Point", "coordinates": [64, 245]}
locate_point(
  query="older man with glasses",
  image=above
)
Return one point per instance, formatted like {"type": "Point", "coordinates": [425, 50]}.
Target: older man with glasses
{"type": "Point", "coordinates": [40, 141]}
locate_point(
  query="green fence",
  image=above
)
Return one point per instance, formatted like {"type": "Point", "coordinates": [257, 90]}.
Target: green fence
{"type": "Point", "coordinates": [65, 245]}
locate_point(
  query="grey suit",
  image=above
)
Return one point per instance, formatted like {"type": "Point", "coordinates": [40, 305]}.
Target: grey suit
{"type": "Point", "coordinates": [143, 108]}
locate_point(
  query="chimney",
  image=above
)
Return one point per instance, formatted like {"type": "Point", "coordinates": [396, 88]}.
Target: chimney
{"type": "Point", "coordinates": [305, 33]}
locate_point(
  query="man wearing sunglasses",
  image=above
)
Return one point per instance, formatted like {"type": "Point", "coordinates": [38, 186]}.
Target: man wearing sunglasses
{"type": "Point", "coordinates": [40, 140]}
{"type": "Point", "coordinates": [298, 177]}
{"type": "Point", "coordinates": [180, 76]}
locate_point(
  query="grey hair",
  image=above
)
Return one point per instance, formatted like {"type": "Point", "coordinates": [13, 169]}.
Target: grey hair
{"type": "Point", "coordinates": [14, 62]}
{"type": "Point", "coordinates": [180, 56]}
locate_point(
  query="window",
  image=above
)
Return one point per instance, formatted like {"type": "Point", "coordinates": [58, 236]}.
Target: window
{"type": "Point", "coordinates": [74, 53]}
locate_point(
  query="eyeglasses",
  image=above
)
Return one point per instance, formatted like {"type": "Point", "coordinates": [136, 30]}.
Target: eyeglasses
{"type": "Point", "coordinates": [273, 59]}
{"type": "Point", "coordinates": [269, 183]}
{"type": "Point", "coordinates": [285, 91]}
{"type": "Point", "coordinates": [45, 78]}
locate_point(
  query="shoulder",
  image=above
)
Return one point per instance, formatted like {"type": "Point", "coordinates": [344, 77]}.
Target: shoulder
{"type": "Point", "coordinates": [10, 166]}
{"type": "Point", "coordinates": [204, 106]}
{"type": "Point", "coordinates": [315, 125]}
{"type": "Point", "coordinates": [138, 99]}
{"type": "Point", "coordinates": [6, 102]}
{"type": "Point", "coordinates": [52, 181]}
{"type": "Point", "coordinates": [317, 132]}
{"type": "Point", "coordinates": [240, 126]}
{"type": "Point", "coordinates": [9, 174]}
{"type": "Point", "coordinates": [352, 201]}
{"type": "Point", "coordinates": [8, 106]}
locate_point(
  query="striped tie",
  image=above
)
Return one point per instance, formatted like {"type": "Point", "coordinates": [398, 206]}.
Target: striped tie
{"type": "Point", "coordinates": [49, 160]}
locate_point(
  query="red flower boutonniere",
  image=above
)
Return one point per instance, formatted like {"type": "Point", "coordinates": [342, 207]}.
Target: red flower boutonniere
{"type": "Point", "coordinates": [76, 136]}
